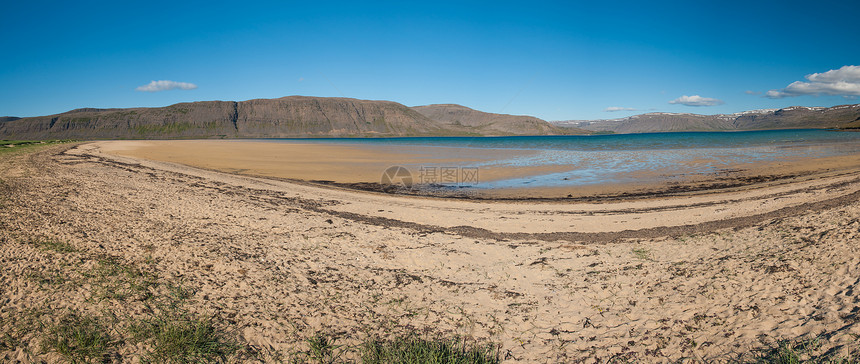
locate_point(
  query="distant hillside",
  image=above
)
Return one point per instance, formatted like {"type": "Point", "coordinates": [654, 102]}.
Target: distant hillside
{"type": "Point", "coordinates": [4, 119]}
{"type": "Point", "coordinates": [492, 124]}
{"type": "Point", "coordinates": [293, 116]}
{"type": "Point", "coordinates": [794, 117]}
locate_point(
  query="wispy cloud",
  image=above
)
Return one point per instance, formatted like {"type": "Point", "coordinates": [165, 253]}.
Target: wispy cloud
{"type": "Point", "coordinates": [844, 82]}
{"type": "Point", "coordinates": [750, 92]}
{"type": "Point", "coordinates": [618, 108]}
{"type": "Point", "coordinates": [696, 100]}
{"type": "Point", "coordinates": [164, 85]}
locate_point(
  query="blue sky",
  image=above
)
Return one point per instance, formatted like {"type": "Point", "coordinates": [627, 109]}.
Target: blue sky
{"type": "Point", "coordinates": [553, 60]}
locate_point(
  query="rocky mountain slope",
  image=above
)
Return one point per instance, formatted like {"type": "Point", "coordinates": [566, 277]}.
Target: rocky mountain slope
{"type": "Point", "coordinates": [284, 117]}
{"type": "Point", "coordinates": [293, 116]}
{"type": "Point", "coordinates": [300, 116]}
{"type": "Point", "coordinates": [488, 123]}
{"type": "Point", "coordinates": [794, 117]}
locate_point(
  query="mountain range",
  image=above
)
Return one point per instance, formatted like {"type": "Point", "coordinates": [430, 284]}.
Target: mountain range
{"type": "Point", "coordinates": [292, 116]}
{"type": "Point", "coordinates": [489, 123]}
{"type": "Point", "coordinates": [794, 117]}
{"type": "Point", "coordinates": [302, 116]}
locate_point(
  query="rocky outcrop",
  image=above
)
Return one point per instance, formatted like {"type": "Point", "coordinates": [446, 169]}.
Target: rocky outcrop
{"type": "Point", "coordinates": [491, 124]}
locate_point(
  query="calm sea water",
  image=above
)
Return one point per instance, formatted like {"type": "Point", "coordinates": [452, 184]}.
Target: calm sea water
{"type": "Point", "coordinates": [594, 159]}
{"type": "Point", "coordinates": [614, 142]}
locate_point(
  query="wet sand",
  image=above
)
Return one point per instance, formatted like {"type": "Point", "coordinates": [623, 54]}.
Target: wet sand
{"type": "Point", "coordinates": [361, 167]}
{"type": "Point", "coordinates": [309, 162]}
{"type": "Point", "coordinates": [706, 276]}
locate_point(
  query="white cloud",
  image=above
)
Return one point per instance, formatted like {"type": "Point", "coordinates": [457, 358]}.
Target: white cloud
{"type": "Point", "coordinates": [844, 81]}
{"type": "Point", "coordinates": [750, 92]}
{"type": "Point", "coordinates": [774, 94]}
{"type": "Point", "coordinates": [618, 108]}
{"type": "Point", "coordinates": [696, 100]}
{"type": "Point", "coordinates": [165, 85]}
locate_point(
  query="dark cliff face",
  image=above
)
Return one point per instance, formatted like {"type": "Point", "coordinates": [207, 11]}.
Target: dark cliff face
{"type": "Point", "coordinates": [285, 117]}
{"type": "Point", "coordinates": [313, 116]}
{"type": "Point", "coordinates": [293, 116]}
{"type": "Point", "coordinates": [198, 119]}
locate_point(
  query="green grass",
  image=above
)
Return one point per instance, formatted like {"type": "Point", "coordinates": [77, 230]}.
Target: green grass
{"type": "Point", "coordinates": [180, 337]}
{"type": "Point", "coordinates": [786, 352]}
{"type": "Point", "coordinates": [21, 146]}
{"type": "Point", "coordinates": [7, 143]}
{"type": "Point", "coordinates": [322, 349]}
{"type": "Point", "coordinates": [414, 350]}
{"type": "Point", "coordinates": [54, 245]}
{"type": "Point", "coordinates": [49, 277]}
{"type": "Point", "coordinates": [800, 352]}
{"type": "Point", "coordinates": [79, 339]}
{"type": "Point", "coordinates": [642, 253]}
{"type": "Point", "coordinates": [410, 349]}
{"type": "Point", "coordinates": [115, 280]}
{"type": "Point", "coordinates": [18, 143]}
{"type": "Point", "coordinates": [168, 331]}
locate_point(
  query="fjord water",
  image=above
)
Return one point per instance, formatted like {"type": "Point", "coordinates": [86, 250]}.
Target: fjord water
{"type": "Point", "coordinates": [623, 158]}
{"type": "Point", "coordinates": [610, 142]}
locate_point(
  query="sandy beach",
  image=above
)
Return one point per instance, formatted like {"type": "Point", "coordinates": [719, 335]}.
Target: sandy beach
{"type": "Point", "coordinates": [357, 166]}
{"type": "Point", "coordinates": [655, 273]}
{"type": "Point", "coordinates": [342, 164]}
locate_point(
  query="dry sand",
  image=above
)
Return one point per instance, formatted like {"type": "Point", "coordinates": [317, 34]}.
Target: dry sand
{"type": "Point", "coordinates": [706, 276]}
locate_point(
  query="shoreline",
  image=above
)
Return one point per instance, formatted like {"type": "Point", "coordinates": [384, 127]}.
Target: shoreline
{"type": "Point", "coordinates": [272, 263]}
{"type": "Point", "coordinates": [685, 212]}
{"type": "Point", "coordinates": [360, 167]}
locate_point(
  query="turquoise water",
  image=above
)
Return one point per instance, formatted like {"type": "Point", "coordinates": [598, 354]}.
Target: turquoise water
{"type": "Point", "coordinates": [622, 158]}
{"type": "Point", "coordinates": [614, 142]}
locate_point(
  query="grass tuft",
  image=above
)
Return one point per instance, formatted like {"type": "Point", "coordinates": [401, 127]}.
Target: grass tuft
{"type": "Point", "coordinates": [55, 246]}
{"type": "Point", "coordinates": [322, 349]}
{"type": "Point", "coordinates": [178, 337]}
{"type": "Point", "coordinates": [48, 277]}
{"type": "Point", "coordinates": [79, 338]}
{"type": "Point", "coordinates": [642, 253]}
{"type": "Point", "coordinates": [414, 350]}
{"type": "Point", "coordinates": [13, 147]}
{"type": "Point", "coordinates": [115, 280]}
{"type": "Point", "coordinates": [800, 352]}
